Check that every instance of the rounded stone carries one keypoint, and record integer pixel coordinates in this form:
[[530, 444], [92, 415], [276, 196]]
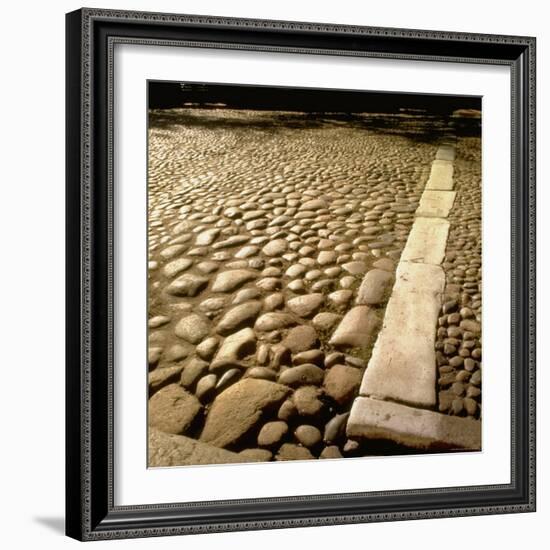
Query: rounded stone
[[309, 436], [341, 383], [302, 375], [276, 247], [229, 377], [335, 428], [287, 410], [238, 317], [301, 338], [289, 451], [206, 386], [272, 433], [326, 321], [331, 451], [262, 373], [315, 356], [307, 305], [306, 401], [193, 328]]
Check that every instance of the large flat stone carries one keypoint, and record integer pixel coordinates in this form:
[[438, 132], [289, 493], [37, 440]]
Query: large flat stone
[[427, 241], [441, 176], [178, 450], [416, 428], [402, 366], [239, 408], [436, 203]]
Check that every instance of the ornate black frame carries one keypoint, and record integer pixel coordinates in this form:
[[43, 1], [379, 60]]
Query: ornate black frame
[[90, 512]]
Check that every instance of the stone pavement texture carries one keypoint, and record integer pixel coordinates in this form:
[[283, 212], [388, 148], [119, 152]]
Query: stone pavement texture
[[262, 228]]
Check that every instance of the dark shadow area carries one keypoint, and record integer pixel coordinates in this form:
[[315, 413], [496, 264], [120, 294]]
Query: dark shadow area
[[425, 128], [419, 117], [55, 524], [165, 95], [383, 447]]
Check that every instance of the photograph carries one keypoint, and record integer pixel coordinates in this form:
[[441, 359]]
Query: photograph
[[314, 276]]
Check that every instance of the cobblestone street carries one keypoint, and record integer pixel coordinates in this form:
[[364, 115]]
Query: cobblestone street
[[273, 244]]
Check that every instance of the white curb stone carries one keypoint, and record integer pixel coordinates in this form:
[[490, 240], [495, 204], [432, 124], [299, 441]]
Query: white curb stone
[[441, 176], [445, 152], [436, 204], [427, 241], [420, 429], [402, 365]]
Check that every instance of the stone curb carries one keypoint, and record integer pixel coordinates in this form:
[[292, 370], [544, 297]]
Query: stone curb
[[436, 203], [427, 241], [412, 427], [441, 176], [402, 367]]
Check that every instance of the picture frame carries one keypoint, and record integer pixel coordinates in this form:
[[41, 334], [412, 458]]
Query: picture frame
[[91, 513]]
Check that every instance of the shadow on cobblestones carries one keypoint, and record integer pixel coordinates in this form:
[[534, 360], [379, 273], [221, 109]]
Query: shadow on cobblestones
[[416, 127]]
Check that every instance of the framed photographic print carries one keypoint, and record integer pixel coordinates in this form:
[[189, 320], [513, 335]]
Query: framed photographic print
[[300, 274]]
